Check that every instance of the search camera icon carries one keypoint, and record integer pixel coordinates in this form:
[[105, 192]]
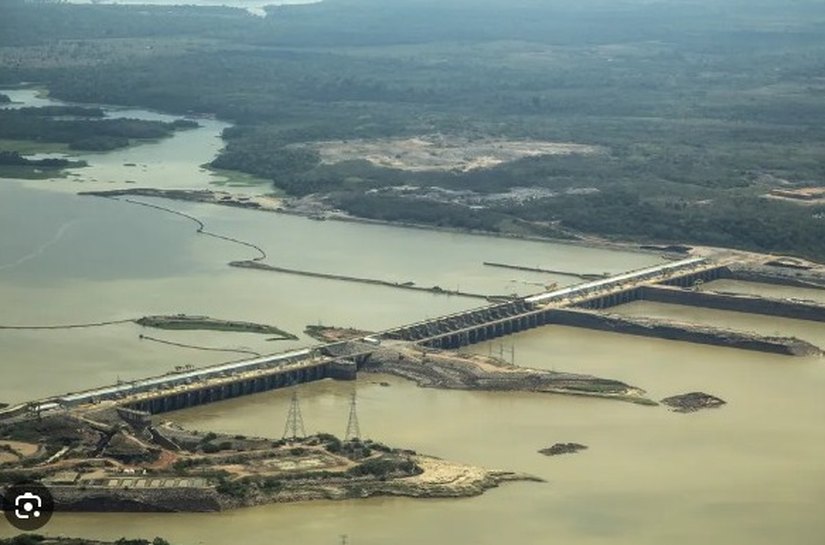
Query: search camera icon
[[28, 506]]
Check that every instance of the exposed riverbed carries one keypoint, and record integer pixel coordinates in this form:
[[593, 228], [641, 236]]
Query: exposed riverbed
[[751, 472]]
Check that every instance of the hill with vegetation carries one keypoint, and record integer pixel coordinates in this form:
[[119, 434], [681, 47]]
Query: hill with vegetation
[[700, 108]]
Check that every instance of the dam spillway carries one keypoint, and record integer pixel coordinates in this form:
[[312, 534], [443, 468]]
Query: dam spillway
[[575, 306]]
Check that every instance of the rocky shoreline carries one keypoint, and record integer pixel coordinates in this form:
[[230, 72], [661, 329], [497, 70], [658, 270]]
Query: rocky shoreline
[[117, 460], [438, 479], [444, 369]]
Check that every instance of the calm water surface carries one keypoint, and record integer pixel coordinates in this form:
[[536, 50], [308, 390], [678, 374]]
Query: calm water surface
[[752, 472]]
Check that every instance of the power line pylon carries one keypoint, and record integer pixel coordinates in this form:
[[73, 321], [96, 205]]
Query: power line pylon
[[353, 429], [294, 427]]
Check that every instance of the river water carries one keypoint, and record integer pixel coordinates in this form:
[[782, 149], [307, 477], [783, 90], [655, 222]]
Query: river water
[[752, 472]]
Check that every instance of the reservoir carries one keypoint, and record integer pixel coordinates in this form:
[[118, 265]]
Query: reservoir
[[750, 472]]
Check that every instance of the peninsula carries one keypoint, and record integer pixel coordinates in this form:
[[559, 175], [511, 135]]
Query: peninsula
[[120, 460]]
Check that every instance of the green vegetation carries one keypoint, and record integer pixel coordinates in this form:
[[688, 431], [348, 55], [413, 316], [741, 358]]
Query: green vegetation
[[235, 178], [54, 431], [11, 476], [61, 111], [30, 147], [386, 467], [14, 165], [81, 128], [13, 158], [28, 173], [700, 107]]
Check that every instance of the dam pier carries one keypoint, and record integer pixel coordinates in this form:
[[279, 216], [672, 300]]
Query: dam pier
[[581, 305]]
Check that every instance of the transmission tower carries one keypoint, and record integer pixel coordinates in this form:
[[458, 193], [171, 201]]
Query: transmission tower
[[294, 427], [353, 429]]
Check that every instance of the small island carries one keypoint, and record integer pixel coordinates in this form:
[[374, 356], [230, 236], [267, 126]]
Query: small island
[[189, 322], [116, 459], [81, 128], [13, 164], [562, 448], [692, 402]]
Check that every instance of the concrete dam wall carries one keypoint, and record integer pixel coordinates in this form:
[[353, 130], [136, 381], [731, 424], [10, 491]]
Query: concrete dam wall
[[212, 391]]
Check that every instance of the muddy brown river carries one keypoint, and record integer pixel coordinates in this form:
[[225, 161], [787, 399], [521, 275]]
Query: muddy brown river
[[751, 472]]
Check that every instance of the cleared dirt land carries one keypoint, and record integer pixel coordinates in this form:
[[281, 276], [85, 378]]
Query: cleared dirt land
[[438, 152]]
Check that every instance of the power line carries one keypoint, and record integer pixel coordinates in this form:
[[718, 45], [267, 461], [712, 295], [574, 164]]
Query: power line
[[294, 427], [353, 428]]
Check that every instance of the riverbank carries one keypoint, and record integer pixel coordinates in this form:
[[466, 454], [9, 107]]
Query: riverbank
[[102, 460], [316, 210]]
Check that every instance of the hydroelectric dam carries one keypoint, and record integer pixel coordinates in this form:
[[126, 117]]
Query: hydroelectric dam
[[579, 305]]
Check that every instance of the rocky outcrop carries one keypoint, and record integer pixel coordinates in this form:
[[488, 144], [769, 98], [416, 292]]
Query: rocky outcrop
[[562, 448], [100, 499], [693, 401], [438, 479]]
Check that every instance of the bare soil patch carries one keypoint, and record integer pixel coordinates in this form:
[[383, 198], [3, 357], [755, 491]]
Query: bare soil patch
[[439, 152]]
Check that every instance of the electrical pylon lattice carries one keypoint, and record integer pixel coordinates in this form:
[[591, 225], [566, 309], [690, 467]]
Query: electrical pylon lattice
[[294, 427], [353, 429]]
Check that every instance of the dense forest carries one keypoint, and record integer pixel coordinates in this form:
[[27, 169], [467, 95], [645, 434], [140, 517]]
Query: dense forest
[[701, 107], [12, 158], [81, 128]]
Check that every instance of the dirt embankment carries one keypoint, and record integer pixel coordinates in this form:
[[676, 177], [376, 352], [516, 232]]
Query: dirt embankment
[[256, 202], [328, 334], [435, 152], [188, 322], [784, 272], [450, 370], [250, 264], [683, 331]]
